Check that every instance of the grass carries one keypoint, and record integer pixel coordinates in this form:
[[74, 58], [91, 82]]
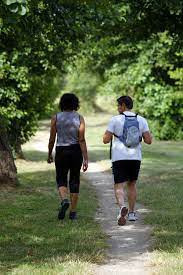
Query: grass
[[161, 190], [32, 240]]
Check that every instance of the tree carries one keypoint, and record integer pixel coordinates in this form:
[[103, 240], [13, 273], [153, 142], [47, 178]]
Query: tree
[[139, 52], [84, 83], [8, 172], [133, 46], [37, 39]]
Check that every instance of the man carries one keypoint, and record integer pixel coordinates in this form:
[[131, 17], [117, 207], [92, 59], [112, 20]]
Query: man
[[126, 153]]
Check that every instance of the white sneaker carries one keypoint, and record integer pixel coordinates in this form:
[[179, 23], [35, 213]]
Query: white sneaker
[[121, 217], [132, 217]]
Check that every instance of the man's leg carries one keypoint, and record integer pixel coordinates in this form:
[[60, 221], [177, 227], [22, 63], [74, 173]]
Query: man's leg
[[132, 195], [119, 193], [120, 198], [133, 171]]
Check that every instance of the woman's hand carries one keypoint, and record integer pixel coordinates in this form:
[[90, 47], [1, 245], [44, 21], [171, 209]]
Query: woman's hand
[[85, 165], [53, 132], [50, 159]]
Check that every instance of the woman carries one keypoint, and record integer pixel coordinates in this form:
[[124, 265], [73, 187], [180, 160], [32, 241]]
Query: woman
[[71, 151]]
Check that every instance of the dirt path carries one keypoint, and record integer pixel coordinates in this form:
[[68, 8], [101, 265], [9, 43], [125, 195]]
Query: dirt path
[[129, 244]]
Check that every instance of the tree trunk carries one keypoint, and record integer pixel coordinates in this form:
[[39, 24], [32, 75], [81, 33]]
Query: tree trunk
[[18, 151], [8, 171], [96, 108]]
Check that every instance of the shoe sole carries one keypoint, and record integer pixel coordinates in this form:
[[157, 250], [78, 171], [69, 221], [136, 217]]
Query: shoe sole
[[122, 219], [61, 214], [132, 220]]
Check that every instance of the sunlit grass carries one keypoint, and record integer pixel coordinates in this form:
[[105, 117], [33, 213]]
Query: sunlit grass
[[32, 240]]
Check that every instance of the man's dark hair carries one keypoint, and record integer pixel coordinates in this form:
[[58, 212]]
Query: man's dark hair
[[69, 101], [127, 100]]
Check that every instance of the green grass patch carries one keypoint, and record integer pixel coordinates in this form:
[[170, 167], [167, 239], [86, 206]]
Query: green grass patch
[[160, 189], [32, 240]]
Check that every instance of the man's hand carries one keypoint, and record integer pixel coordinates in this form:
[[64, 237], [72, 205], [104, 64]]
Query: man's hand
[[50, 159], [107, 137], [85, 165], [147, 137]]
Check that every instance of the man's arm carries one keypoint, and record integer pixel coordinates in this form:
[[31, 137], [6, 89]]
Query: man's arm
[[147, 137], [82, 143], [51, 143], [107, 137]]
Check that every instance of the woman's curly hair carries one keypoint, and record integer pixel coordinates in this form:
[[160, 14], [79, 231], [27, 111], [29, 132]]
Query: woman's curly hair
[[69, 101]]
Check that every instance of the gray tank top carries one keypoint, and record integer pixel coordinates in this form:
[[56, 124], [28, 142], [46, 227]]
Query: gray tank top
[[67, 125]]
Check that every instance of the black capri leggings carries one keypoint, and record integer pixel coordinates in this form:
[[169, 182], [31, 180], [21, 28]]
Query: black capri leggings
[[68, 159]]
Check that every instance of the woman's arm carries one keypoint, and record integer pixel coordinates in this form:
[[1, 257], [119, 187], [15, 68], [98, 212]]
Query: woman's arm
[[82, 143], [51, 143]]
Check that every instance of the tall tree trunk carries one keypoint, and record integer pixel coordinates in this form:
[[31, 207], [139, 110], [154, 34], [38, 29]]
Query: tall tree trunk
[[8, 171], [18, 151], [96, 108]]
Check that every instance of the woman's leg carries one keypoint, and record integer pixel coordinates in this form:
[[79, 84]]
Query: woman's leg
[[74, 181], [74, 199], [63, 192], [62, 168]]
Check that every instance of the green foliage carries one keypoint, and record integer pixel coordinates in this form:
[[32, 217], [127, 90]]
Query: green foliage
[[24, 97], [19, 7], [37, 38], [84, 83], [135, 47], [142, 56]]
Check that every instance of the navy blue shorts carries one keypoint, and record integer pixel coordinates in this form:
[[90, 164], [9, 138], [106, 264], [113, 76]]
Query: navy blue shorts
[[125, 170], [68, 159]]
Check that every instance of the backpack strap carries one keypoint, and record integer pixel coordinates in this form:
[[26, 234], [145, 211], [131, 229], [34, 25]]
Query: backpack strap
[[110, 150], [129, 116], [56, 121], [79, 119], [115, 135]]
